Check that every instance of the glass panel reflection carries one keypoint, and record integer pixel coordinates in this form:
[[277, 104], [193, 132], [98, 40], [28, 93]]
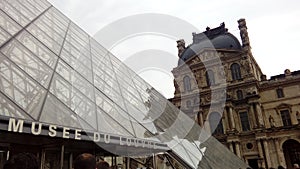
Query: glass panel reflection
[[35, 5], [37, 48], [107, 124], [75, 79], [9, 109], [44, 38], [8, 24], [28, 62], [74, 99], [114, 111], [58, 38], [20, 88], [55, 112], [56, 15], [75, 56], [4, 36], [13, 13]]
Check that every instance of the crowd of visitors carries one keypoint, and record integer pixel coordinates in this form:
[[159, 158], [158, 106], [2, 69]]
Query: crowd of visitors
[[83, 161], [30, 161]]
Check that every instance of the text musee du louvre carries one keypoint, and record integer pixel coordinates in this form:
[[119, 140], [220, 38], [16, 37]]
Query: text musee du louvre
[[17, 125]]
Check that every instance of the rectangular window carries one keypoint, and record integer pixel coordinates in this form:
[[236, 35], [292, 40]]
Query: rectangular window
[[244, 121], [286, 118], [279, 93]]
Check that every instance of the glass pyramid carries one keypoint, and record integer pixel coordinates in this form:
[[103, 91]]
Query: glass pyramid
[[51, 71]]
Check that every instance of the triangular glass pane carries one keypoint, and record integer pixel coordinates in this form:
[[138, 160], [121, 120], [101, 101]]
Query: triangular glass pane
[[114, 111], [44, 38], [107, 124], [26, 9], [16, 14], [75, 79], [218, 156], [20, 88], [28, 62], [8, 24], [37, 48], [55, 112], [74, 99], [79, 33], [10, 109], [35, 6], [50, 31], [79, 63], [48, 21], [57, 17], [4, 36]]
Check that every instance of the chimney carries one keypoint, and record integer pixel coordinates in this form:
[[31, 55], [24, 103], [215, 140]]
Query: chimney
[[244, 33], [180, 46]]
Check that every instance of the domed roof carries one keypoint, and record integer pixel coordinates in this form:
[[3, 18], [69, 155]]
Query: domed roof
[[217, 38]]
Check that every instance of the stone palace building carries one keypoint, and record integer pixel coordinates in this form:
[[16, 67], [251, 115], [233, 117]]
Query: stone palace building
[[257, 118]]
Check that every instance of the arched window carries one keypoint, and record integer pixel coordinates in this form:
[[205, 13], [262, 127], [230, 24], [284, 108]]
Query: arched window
[[215, 123], [235, 71], [187, 83], [239, 94], [210, 77]]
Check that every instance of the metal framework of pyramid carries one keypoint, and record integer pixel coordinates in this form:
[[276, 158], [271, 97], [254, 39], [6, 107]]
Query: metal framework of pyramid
[[52, 72]]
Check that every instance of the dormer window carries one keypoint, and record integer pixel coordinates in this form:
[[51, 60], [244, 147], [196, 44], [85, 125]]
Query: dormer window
[[279, 92], [187, 83]]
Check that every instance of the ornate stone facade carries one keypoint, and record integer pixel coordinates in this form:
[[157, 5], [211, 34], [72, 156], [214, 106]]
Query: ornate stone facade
[[260, 118]]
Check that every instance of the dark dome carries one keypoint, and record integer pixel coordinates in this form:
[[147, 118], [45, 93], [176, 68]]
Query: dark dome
[[219, 40]]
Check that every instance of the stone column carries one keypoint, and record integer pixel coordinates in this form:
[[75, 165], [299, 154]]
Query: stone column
[[261, 154], [260, 121], [279, 152], [244, 33], [231, 147], [252, 115], [225, 122], [231, 118], [201, 118], [228, 117], [267, 152], [237, 148]]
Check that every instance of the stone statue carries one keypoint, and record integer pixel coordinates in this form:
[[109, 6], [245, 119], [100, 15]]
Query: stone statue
[[243, 32], [272, 121], [180, 46], [287, 72]]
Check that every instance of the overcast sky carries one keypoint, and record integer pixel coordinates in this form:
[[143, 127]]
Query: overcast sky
[[273, 28]]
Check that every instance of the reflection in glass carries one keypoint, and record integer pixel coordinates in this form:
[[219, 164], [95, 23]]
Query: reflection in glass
[[8, 24], [37, 48], [16, 85], [28, 62]]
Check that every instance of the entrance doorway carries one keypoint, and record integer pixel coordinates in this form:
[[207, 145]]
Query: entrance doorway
[[3, 155], [291, 150], [253, 163]]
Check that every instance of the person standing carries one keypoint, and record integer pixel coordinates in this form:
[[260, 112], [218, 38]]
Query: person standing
[[296, 166], [22, 161], [85, 161], [103, 165]]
